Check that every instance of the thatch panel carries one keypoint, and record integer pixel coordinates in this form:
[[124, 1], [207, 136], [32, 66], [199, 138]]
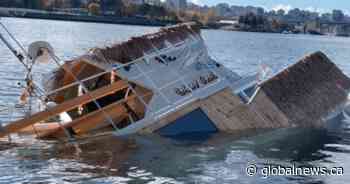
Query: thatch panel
[[309, 89], [137, 46]]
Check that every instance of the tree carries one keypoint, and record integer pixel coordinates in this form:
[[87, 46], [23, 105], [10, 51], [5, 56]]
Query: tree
[[76, 4], [144, 9], [275, 24], [195, 17], [295, 13], [281, 12], [326, 16], [209, 17], [272, 13], [337, 15], [130, 10], [161, 11], [94, 8], [172, 16], [45, 4], [34, 4], [119, 7]]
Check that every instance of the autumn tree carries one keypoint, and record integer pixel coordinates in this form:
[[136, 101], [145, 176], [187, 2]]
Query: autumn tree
[[275, 24], [129, 10], [94, 8], [209, 17]]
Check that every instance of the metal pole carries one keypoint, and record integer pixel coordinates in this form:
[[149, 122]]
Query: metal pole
[[13, 50], [14, 39]]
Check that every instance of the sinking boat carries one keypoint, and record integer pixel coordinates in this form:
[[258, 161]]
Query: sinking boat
[[167, 83]]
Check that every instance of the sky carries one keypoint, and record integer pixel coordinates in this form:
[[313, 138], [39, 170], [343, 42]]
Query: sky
[[314, 5]]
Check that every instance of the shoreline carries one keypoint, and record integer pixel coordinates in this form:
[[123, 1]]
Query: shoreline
[[133, 21], [94, 19], [271, 32]]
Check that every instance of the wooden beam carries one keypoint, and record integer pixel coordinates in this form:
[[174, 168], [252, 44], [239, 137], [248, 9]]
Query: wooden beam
[[94, 119], [63, 107], [40, 128], [84, 124]]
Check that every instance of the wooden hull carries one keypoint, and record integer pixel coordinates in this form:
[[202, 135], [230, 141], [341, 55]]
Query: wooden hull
[[40, 129]]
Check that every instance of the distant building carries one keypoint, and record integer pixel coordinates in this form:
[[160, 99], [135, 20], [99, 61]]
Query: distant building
[[228, 22], [242, 10], [133, 2], [177, 5], [154, 2], [222, 9], [342, 30]]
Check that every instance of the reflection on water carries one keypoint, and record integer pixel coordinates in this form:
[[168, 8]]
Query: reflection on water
[[152, 159]]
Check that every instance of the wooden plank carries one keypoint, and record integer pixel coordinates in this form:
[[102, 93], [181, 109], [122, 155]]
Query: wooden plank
[[63, 107], [40, 128], [116, 111], [92, 120]]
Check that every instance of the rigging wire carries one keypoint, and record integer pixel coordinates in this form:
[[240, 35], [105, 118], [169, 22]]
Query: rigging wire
[[31, 86], [14, 39]]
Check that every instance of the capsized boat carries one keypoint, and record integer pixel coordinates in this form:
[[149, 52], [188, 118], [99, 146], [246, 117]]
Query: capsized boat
[[166, 83]]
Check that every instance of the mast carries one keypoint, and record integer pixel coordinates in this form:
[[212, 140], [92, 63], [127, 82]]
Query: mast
[[29, 89], [18, 55]]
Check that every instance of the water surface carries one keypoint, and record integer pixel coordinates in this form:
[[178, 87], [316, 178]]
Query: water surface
[[153, 159]]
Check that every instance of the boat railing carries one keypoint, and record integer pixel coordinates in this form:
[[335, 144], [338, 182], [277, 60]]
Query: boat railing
[[92, 96], [120, 66], [180, 78], [156, 53]]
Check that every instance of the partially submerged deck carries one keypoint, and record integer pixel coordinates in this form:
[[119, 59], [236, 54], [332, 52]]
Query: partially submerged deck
[[310, 89]]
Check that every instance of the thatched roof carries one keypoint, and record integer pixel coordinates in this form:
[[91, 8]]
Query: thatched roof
[[136, 47], [124, 52], [309, 89]]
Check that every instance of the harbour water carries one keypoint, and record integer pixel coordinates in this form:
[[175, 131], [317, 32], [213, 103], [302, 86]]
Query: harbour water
[[152, 159]]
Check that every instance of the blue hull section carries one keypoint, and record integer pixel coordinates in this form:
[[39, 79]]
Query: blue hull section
[[194, 125]]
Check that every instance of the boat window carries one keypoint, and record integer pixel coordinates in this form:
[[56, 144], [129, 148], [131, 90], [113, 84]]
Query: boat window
[[244, 98], [250, 91], [246, 94], [165, 59]]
